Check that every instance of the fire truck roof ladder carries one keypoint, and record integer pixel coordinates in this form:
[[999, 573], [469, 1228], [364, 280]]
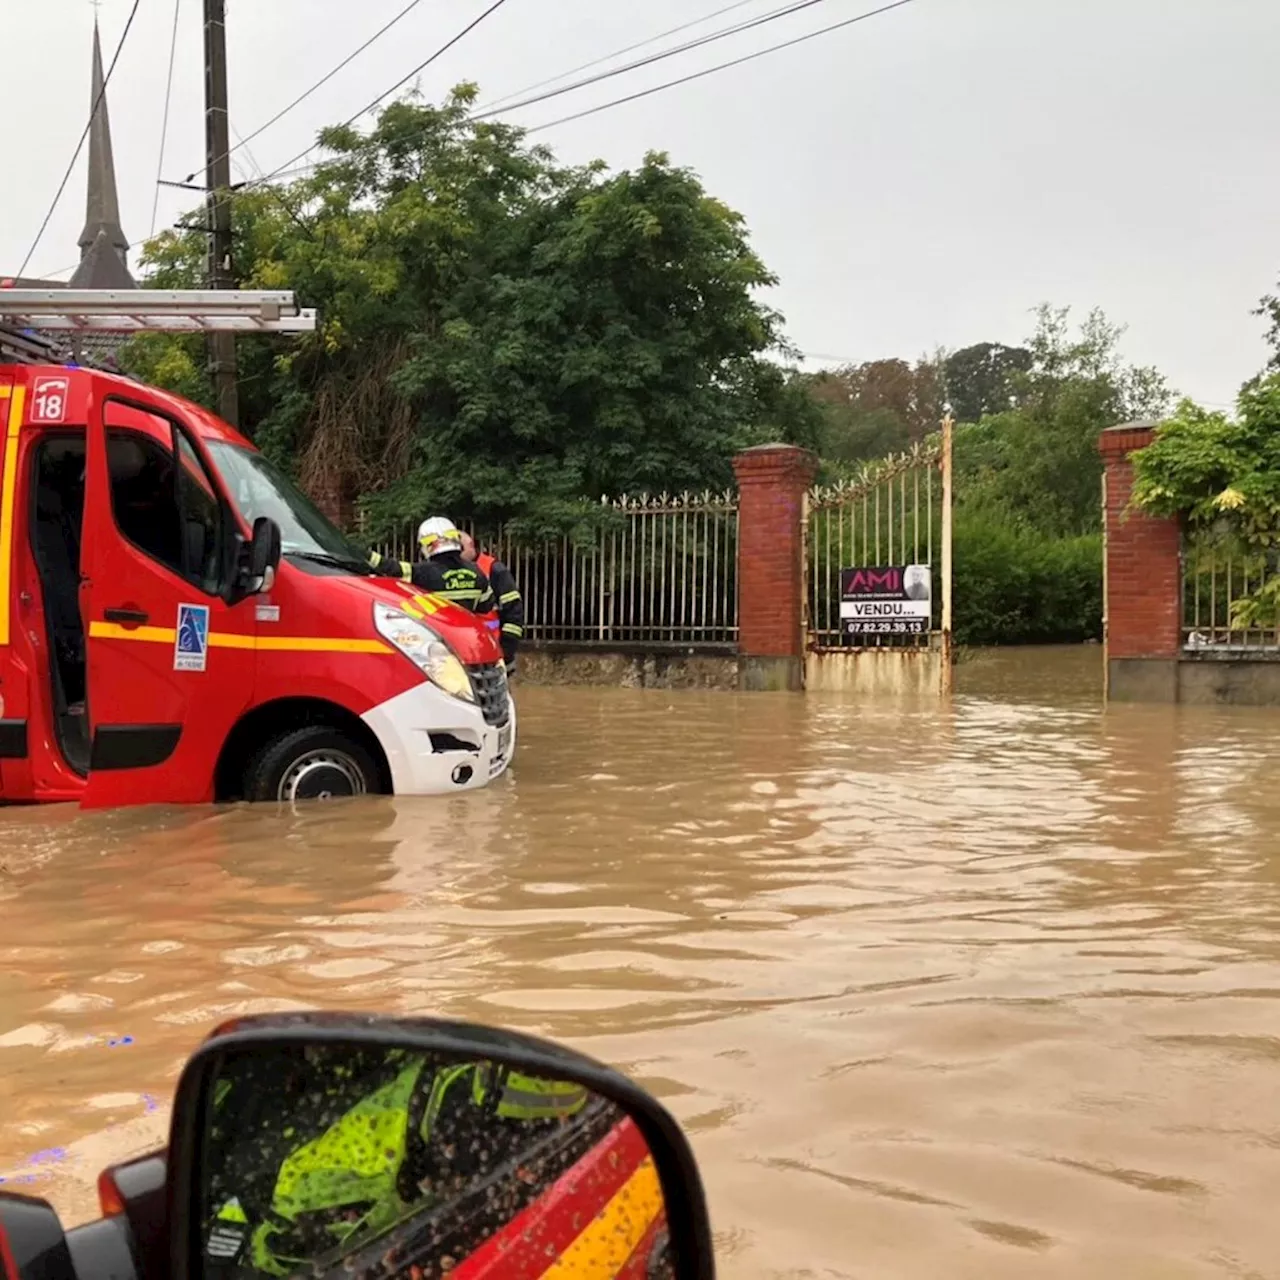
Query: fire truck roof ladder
[[152, 311]]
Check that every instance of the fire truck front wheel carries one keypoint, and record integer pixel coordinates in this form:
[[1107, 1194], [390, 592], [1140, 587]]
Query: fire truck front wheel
[[312, 763]]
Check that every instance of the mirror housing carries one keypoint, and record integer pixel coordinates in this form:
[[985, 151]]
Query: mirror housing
[[33, 1245], [616, 1142], [257, 560], [264, 548]]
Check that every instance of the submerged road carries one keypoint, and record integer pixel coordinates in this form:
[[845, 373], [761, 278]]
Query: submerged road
[[989, 990]]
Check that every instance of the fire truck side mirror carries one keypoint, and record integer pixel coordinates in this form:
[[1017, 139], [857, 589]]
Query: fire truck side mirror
[[264, 555], [356, 1147], [264, 549]]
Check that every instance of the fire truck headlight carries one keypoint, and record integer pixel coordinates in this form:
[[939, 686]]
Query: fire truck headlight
[[429, 652]]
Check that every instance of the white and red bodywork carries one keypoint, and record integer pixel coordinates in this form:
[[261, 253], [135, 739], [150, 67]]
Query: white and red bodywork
[[309, 637]]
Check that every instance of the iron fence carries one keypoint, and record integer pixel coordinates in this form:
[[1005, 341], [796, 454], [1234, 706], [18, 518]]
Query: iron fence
[[659, 571], [1217, 580], [888, 514]]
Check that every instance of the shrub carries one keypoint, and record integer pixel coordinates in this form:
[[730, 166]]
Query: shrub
[[1017, 585]]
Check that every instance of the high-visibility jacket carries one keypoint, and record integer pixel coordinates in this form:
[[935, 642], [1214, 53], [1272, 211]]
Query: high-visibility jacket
[[446, 574], [509, 602], [351, 1179]]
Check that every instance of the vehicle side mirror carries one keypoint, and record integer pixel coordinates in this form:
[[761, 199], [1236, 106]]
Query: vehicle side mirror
[[347, 1147], [264, 548], [256, 560]]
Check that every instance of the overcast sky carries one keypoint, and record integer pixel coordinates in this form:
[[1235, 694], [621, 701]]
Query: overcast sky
[[921, 179]]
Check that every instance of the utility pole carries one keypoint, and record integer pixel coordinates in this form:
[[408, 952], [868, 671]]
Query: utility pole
[[948, 654], [220, 269]]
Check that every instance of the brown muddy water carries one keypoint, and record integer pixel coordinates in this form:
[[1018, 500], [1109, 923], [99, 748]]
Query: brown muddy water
[[989, 990]]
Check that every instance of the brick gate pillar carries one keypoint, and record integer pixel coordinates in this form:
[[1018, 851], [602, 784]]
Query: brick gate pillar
[[772, 480], [1142, 580]]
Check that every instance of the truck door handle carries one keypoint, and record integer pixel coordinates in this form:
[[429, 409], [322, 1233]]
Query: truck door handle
[[126, 617]]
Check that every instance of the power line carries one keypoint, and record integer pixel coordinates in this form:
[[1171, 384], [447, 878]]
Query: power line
[[617, 53], [257, 168], [287, 169], [302, 97], [785, 11], [422, 66], [794, 6], [58, 271], [720, 66], [164, 127], [93, 111]]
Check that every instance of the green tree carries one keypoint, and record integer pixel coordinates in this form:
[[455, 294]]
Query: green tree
[[877, 408], [502, 336], [1269, 310], [1221, 473], [1039, 461], [984, 379], [1027, 544]]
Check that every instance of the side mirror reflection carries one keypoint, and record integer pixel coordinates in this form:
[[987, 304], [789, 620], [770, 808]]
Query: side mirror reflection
[[346, 1159]]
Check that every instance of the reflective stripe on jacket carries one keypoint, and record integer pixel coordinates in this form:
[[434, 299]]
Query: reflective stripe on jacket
[[388, 567]]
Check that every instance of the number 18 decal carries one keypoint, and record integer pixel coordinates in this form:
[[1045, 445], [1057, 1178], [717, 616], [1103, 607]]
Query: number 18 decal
[[49, 399]]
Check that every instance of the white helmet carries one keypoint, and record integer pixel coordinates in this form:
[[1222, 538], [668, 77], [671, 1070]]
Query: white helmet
[[437, 535]]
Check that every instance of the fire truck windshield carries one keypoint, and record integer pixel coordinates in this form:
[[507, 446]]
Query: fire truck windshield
[[259, 488]]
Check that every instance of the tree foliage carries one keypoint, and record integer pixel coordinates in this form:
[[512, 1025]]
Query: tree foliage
[[1039, 461], [1221, 473], [501, 336], [1015, 584], [1028, 551], [876, 408], [1269, 310], [1028, 558], [984, 379]]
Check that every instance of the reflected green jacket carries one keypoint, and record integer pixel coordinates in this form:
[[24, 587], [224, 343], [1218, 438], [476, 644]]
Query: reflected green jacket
[[348, 1181]]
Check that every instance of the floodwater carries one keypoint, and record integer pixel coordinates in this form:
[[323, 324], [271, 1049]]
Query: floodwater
[[989, 990]]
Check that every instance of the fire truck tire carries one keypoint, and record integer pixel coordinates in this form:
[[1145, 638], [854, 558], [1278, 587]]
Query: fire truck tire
[[313, 763]]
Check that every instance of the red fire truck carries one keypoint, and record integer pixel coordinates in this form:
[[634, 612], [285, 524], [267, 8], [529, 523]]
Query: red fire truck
[[178, 623]]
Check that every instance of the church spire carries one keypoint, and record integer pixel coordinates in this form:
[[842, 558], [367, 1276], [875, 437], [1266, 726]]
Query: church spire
[[104, 262]]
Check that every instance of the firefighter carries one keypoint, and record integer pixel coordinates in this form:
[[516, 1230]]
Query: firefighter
[[442, 571], [510, 605], [408, 1135]]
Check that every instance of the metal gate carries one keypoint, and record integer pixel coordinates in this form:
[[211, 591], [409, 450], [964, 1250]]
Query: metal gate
[[660, 571], [892, 515]]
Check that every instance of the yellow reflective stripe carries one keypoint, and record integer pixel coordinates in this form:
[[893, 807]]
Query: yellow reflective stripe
[[233, 1212], [404, 569], [423, 606], [8, 487], [114, 631], [229, 640], [440, 1086], [516, 1104], [509, 597], [610, 1238], [512, 629], [296, 644]]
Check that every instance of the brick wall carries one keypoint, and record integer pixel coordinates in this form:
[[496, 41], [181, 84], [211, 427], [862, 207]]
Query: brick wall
[[336, 505], [772, 480], [1144, 559]]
